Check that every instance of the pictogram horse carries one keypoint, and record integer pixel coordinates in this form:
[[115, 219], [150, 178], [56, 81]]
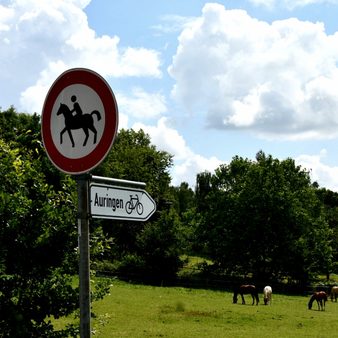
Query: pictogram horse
[[84, 121]]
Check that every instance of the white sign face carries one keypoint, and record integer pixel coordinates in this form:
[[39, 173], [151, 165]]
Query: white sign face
[[121, 203], [80, 108]]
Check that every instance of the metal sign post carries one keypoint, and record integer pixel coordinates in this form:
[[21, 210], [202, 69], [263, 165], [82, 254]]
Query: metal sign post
[[76, 151], [84, 268]]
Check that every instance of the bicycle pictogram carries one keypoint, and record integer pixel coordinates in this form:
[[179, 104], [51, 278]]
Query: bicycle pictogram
[[134, 204]]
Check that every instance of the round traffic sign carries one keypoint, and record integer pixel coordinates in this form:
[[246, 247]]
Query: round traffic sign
[[79, 121]]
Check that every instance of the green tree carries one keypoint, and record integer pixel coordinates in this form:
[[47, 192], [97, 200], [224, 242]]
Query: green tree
[[183, 198], [264, 218], [25, 131], [183, 201], [330, 201], [37, 244], [38, 235], [159, 246]]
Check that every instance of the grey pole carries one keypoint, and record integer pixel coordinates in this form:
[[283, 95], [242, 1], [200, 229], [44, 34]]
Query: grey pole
[[84, 277]]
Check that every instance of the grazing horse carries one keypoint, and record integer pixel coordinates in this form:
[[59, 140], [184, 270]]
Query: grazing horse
[[244, 290], [334, 293], [267, 294], [84, 121], [321, 298]]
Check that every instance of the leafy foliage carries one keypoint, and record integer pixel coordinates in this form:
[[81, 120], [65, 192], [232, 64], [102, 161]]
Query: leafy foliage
[[37, 243], [159, 246], [330, 201], [264, 217]]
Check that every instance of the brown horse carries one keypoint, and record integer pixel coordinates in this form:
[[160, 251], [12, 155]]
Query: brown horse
[[321, 298], [334, 293], [245, 290]]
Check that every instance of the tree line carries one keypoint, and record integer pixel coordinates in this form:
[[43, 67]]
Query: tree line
[[262, 218]]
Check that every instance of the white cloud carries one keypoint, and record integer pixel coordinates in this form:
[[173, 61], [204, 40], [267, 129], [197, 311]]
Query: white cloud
[[32, 98], [276, 80], [141, 104], [326, 176], [40, 37], [172, 24], [166, 138], [187, 164], [290, 4], [6, 15], [265, 3], [187, 170]]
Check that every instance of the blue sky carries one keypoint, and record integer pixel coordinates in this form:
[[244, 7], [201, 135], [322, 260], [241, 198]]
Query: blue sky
[[206, 80]]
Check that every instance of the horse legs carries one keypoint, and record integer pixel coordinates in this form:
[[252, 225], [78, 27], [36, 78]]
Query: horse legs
[[62, 132], [255, 298], [320, 305], [243, 300], [267, 300], [92, 128], [87, 135], [71, 137]]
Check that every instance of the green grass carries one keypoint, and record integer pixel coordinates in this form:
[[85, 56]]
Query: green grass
[[143, 311]]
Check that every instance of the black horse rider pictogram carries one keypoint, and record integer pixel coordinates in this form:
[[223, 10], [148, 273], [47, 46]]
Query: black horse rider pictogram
[[77, 121]]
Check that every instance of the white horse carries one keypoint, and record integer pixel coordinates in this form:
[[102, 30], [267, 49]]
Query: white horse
[[267, 294], [334, 293]]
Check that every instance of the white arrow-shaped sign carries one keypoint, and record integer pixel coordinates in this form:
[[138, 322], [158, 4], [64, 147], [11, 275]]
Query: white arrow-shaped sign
[[123, 203]]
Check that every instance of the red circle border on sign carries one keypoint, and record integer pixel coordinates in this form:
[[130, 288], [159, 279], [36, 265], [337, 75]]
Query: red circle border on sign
[[100, 86]]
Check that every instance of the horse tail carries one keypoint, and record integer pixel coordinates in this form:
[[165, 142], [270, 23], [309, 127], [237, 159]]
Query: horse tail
[[311, 301], [97, 113]]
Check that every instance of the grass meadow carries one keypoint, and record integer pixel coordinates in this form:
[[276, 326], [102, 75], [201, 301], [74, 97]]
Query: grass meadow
[[136, 311]]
